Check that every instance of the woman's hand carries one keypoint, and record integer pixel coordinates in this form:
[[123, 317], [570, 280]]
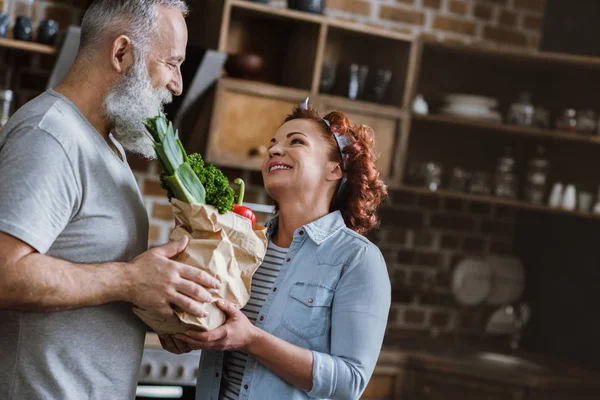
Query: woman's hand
[[238, 333]]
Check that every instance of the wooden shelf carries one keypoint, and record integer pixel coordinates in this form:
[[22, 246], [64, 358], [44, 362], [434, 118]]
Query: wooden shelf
[[285, 13], [518, 55], [348, 105], [509, 129], [30, 47], [522, 205]]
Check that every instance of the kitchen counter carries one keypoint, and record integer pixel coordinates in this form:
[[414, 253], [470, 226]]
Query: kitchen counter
[[518, 369]]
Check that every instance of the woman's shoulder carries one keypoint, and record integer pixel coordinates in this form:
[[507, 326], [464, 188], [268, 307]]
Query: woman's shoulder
[[356, 248]]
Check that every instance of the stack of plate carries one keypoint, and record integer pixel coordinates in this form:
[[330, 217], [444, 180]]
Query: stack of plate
[[471, 106]]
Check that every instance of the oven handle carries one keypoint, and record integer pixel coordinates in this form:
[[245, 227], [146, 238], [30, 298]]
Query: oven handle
[[159, 392]]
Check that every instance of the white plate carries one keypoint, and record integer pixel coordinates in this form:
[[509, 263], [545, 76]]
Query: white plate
[[458, 98], [508, 280], [471, 281], [488, 116]]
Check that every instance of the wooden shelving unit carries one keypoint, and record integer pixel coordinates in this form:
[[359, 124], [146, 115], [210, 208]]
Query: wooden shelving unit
[[521, 205], [501, 128], [296, 46], [27, 46]]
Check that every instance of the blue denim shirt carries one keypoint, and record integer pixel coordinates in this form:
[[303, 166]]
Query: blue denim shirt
[[332, 296]]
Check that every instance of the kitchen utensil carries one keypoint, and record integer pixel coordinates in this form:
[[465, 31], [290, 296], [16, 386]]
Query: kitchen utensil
[[471, 281], [556, 195], [585, 201], [506, 181], [472, 112], [382, 81], [480, 183], [508, 319], [23, 28], [459, 180], [536, 179], [586, 122], [569, 199], [245, 65], [507, 280], [328, 74], [358, 77], [4, 21], [521, 113], [420, 106], [313, 6], [6, 97], [47, 30], [567, 121]]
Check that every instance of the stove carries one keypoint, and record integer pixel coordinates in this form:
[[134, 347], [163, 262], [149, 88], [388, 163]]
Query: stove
[[165, 375]]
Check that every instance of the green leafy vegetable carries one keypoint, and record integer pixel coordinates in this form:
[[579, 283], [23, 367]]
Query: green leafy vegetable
[[187, 178]]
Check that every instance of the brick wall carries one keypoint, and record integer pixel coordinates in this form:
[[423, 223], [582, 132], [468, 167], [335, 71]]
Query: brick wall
[[422, 237], [507, 23]]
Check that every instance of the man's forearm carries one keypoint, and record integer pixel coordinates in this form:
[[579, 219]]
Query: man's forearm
[[41, 283]]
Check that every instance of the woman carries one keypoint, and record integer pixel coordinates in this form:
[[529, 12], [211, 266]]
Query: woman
[[320, 301]]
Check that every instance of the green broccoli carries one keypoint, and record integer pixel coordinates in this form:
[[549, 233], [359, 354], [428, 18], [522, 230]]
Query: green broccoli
[[218, 192]]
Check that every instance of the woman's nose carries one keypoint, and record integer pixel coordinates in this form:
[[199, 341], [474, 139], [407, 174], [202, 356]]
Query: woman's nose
[[275, 151]]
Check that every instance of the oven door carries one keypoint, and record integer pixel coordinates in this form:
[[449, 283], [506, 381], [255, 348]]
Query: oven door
[[163, 392]]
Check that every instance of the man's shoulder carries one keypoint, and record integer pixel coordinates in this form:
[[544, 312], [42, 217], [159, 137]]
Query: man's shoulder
[[45, 118]]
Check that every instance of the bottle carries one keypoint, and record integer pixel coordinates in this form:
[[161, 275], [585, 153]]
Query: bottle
[[537, 177], [506, 181], [6, 97]]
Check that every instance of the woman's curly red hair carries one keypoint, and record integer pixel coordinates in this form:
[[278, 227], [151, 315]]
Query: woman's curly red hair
[[364, 189]]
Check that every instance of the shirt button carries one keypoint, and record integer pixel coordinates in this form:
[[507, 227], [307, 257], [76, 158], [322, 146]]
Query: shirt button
[[217, 374], [288, 260], [310, 300], [274, 289], [246, 387], [301, 233], [262, 318]]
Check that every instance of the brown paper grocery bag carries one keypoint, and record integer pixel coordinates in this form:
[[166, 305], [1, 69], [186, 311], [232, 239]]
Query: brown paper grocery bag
[[224, 245]]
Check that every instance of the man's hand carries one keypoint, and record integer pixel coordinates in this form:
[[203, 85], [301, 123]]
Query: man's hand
[[157, 282], [238, 333], [174, 345]]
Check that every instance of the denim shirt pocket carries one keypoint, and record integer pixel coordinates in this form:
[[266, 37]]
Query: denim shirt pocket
[[308, 309]]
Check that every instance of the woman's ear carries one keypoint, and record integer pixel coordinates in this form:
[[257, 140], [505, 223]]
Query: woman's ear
[[335, 172]]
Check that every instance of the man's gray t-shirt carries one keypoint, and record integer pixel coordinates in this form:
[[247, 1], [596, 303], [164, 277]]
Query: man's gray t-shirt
[[66, 193]]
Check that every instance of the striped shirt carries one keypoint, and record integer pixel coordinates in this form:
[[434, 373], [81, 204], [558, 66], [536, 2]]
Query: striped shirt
[[262, 284]]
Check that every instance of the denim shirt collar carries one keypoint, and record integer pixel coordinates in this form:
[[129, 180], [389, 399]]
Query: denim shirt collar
[[319, 230]]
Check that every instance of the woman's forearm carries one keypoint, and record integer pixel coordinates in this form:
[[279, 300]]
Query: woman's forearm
[[291, 363]]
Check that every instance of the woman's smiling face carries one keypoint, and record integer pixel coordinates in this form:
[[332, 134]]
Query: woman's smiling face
[[298, 160]]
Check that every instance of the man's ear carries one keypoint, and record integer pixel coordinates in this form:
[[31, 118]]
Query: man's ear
[[121, 54], [335, 172]]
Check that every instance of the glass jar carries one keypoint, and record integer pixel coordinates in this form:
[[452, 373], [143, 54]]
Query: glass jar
[[586, 122], [6, 97], [537, 177], [480, 183], [506, 180], [567, 120], [522, 112]]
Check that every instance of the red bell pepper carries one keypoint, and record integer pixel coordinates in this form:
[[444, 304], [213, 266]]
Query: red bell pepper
[[238, 208]]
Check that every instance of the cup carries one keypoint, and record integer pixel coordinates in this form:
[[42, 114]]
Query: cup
[[556, 195], [382, 81], [585, 201], [23, 28], [47, 31], [569, 200], [3, 24], [358, 77], [328, 73]]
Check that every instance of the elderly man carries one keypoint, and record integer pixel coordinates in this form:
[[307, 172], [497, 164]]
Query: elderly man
[[73, 227]]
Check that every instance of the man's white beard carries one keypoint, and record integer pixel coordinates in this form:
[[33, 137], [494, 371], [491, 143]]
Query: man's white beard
[[129, 103]]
